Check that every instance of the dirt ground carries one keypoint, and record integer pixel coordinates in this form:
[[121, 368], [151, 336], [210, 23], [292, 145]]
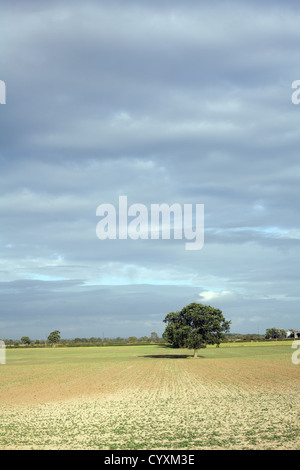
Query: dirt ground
[[151, 402]]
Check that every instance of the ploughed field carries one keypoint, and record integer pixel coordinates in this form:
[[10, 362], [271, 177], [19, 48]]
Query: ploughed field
[[150, 397]]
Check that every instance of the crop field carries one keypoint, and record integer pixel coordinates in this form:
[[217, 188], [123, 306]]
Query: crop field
[[150, 397]]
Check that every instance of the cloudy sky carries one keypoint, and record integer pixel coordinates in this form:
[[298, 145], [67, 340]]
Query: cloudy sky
[[163, 102]]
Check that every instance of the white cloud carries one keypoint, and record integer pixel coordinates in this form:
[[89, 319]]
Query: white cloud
[[208, 296], [256, 319]]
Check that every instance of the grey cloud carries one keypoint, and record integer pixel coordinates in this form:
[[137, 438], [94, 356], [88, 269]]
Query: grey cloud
[[162, 102]]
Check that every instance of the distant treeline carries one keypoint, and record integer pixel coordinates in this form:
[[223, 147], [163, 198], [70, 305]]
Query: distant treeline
[[25, 341], [232, 337], [75, 342], [271, 334]]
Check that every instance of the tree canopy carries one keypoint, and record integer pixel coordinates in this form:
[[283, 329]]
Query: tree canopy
[[25, 340], [195, 326], [275, 333], [54, 337]]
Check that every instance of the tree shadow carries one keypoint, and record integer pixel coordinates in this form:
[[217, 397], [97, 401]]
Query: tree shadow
[[170, 356]]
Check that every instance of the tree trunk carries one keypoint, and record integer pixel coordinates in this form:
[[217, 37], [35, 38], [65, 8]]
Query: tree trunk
[[195, 352]]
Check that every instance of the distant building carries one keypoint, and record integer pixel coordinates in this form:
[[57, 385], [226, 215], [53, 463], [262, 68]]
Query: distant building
[[293, 334]]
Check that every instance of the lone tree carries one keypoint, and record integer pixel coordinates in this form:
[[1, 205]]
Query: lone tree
[[54, 337], [195, 326], [25, 340], [154, 337]]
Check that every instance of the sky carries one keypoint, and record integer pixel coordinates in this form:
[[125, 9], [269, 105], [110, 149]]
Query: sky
[[162, 102]]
